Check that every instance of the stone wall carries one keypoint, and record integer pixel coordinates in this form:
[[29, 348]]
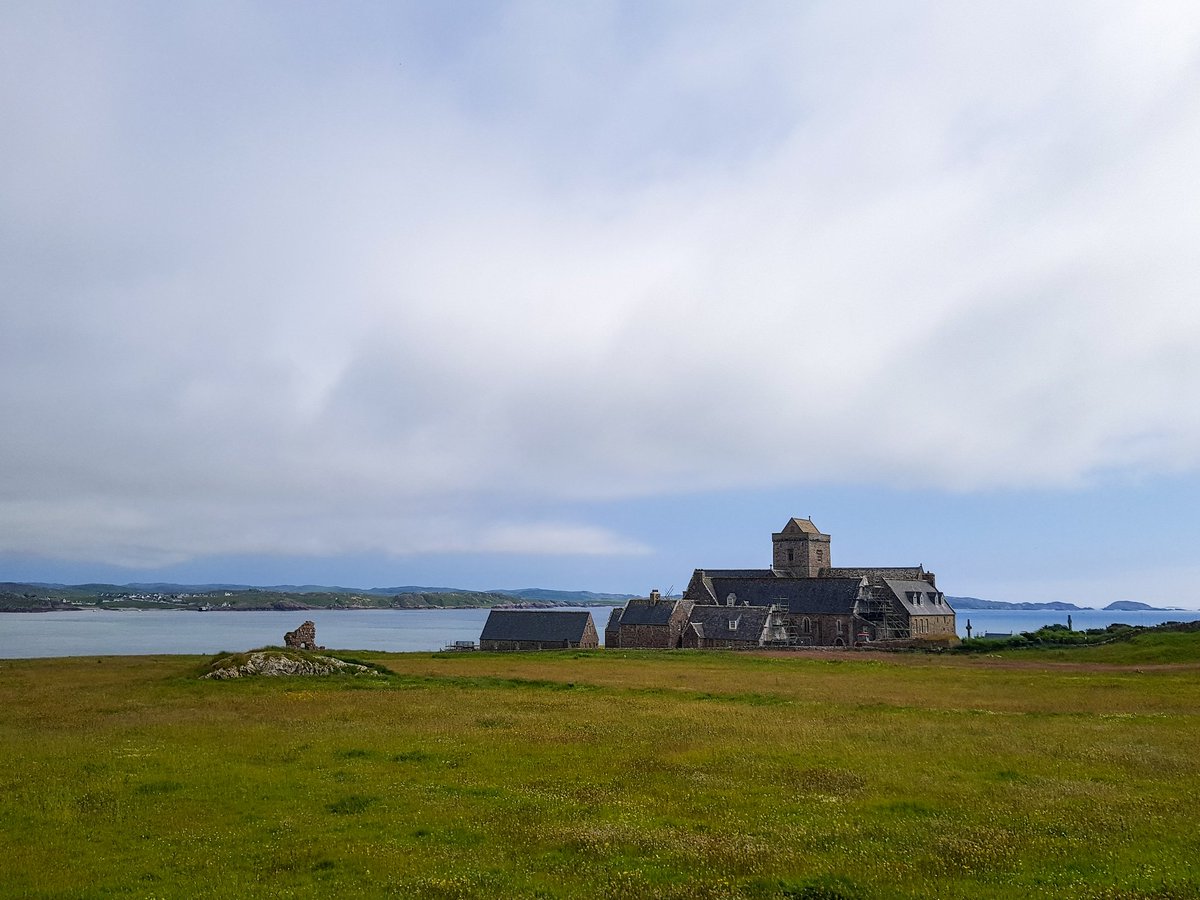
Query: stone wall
[[822, 630], [932, 626], [612, 634], [649, 637], [692, 641], [656, 637], [523, 645], [590, 639], [800, 555]]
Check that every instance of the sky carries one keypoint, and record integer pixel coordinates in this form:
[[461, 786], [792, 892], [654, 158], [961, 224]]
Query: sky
[[587, 295]]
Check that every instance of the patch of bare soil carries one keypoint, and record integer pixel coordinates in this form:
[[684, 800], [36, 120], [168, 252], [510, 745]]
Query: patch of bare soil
[[976, 660]]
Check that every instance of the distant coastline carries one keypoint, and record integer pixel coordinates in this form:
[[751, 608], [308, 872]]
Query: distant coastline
[[1116, 606], [42, 597]]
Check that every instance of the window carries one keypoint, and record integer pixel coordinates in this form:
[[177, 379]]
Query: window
[[839, 626], [806, 625], [731, 600], [733, 624], [791, 555]]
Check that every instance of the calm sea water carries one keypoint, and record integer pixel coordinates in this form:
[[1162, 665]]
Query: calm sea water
[[108, 632], [101, 633], [1002, 620]]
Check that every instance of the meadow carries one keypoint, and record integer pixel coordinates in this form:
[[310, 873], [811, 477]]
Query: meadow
[[609, 774]]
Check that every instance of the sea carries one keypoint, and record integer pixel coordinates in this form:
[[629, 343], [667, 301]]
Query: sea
[[154, 632]]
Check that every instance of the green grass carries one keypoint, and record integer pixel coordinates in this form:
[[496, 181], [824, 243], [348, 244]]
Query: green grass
[[610, 774], [1153, 647]]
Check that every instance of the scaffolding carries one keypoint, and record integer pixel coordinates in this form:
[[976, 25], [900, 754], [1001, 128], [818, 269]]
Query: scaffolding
[[876, 607]]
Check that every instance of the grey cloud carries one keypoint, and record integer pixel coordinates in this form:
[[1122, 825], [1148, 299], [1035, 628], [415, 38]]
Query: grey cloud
[[258, 270]]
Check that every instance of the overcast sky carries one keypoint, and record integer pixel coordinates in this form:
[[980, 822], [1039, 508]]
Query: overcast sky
[[585, 295]]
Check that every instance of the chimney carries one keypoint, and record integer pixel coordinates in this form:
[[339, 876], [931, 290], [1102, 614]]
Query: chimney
[[655, 596]]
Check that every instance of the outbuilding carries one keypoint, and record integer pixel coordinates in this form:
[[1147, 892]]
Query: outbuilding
[[650, 623], [538, 629]]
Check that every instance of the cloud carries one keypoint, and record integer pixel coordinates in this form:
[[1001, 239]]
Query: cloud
[[283, 284]]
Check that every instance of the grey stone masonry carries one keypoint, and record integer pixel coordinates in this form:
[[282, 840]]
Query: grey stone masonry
[[824, 605], [800, 550]]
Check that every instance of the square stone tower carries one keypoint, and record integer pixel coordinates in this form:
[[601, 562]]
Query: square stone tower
[[800, 550]]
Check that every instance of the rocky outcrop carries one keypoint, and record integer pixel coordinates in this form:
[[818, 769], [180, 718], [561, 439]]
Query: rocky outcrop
[[275, 663]]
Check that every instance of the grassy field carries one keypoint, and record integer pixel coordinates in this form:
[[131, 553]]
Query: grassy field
[[610, 774]]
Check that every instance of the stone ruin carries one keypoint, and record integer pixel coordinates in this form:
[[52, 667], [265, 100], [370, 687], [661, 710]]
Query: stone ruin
[[303, 638]]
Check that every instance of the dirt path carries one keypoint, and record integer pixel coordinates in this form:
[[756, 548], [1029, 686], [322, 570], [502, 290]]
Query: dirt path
[[974, 661]]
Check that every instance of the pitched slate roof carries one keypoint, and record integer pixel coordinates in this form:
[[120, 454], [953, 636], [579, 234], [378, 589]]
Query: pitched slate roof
[[643, 612], [712, 622], [804, 525], [905, 573], [737, 573], [805, 596], [929, 606], [706, 576], [535, 625], [614, 618]]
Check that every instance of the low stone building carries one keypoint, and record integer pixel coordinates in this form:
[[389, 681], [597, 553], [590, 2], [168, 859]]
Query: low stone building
[[612, 631], [733, 628], [538, 629], [929, 615], [651, 624]]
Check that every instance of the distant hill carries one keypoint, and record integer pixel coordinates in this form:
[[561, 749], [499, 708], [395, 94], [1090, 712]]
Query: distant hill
[[1119, 605], [579, 598], [38, 596], [1131, 605], [41, 596], [976, 603]]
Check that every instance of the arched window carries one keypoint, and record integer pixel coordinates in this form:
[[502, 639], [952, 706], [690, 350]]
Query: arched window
[[806, 625]]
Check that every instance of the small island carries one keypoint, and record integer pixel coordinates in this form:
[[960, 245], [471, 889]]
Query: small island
[[962, 603]]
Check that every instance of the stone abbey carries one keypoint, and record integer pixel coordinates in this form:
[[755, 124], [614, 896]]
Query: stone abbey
[[802, 600]]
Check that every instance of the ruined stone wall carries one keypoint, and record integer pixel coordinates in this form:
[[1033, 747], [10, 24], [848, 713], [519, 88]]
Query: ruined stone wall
[[303, 638]]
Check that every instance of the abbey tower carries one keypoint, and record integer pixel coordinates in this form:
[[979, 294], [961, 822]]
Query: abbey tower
[[800, 550]]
